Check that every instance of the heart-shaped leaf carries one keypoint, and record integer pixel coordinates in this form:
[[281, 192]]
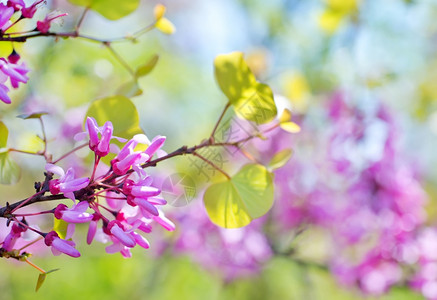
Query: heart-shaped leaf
[[236, 202]]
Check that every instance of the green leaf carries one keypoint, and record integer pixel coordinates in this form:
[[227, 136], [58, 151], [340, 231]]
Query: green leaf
[[9, 170], [258, 105], [60, 226], [120, 111], [251, 100], [36, 115], [280, 159], [235, 203], [147, 67], [3, 134], [233, 75], [40, 281], [130, 89], [110, 9]]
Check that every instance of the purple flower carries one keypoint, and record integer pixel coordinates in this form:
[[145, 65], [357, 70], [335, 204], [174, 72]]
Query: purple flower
[[99, 137], [44, 25], [16, 232], [5, 14], [60, 246], [128, 157], [28, 12], [66, 184], [76, 214]]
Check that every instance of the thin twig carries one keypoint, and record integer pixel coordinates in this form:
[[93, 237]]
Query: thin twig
[[212, 164]]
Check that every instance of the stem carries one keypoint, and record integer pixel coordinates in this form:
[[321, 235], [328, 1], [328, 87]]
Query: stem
[[27, 200], [28, 227], [25, 152], [70, 152], [219, 120], [31, 243], [35, 266], [34, 214], [82, 17], [212, 164], [44, 138], [120, 59]]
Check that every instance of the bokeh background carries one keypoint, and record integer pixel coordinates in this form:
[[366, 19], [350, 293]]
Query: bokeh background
[[354, 215]]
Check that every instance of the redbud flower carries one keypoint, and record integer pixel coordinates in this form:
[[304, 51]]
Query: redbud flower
[[16, 4], [5, 14], [16, 231], [60, 246], [4, 94], [16, 73], [75, 214], [117, 230], [44, 25], [28, 12], [155, 145], [100, 146], [66, 183], [128, 158]]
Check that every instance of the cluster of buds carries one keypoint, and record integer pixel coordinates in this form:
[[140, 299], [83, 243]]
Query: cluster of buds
[[10, 14], [122, 202]]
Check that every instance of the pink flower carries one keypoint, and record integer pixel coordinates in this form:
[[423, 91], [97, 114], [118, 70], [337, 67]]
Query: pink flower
[[16, 232], [4, 94], [16, 73], [44, 25], [66, 183], [116, 229], [60, 246], [5, 14], [75, 214], [16, 4], [155, 145], [92, 229], [142, 194], [128, 158], [28, 12], [100, 145]]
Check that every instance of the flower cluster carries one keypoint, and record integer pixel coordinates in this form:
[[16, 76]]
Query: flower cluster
[[131, 203], [10, 14]]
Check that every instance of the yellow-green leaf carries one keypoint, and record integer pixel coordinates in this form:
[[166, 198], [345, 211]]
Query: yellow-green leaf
[[9, 170], [236, 202], [35, 115], [233, 76], [251, 100], [110, 9], [3, 134], [257, 105], [147, 67], [165, 26], [40, 281], [280, 159], [285, 116], [290, 127], [60, 226]]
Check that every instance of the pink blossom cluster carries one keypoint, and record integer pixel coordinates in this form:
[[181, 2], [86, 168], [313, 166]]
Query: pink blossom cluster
[[119, 206], [10, 14]]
